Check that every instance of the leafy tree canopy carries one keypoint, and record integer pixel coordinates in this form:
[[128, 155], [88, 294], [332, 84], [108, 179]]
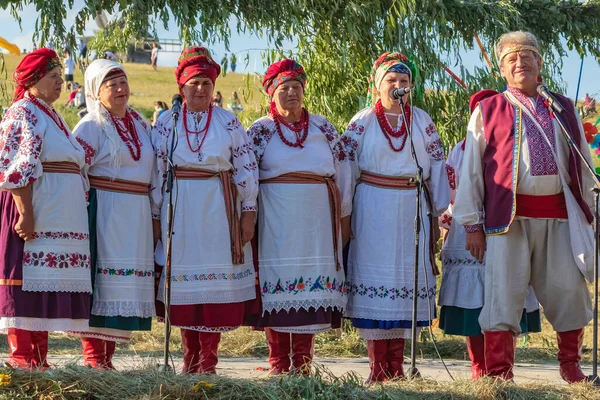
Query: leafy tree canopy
[[339, 39]]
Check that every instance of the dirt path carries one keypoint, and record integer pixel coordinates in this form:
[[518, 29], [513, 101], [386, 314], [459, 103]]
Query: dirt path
[[258, 367]]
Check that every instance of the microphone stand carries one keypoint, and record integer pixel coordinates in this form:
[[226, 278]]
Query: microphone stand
[[165, 367], [575, 148], [414, 372]]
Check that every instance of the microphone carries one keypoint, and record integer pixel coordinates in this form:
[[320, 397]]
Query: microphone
[[397, 94], [552, 102], [176, 105]]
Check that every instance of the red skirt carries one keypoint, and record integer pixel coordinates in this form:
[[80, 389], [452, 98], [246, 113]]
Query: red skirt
[[218, 316]]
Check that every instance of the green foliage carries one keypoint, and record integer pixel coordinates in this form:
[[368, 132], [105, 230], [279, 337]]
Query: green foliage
[[339, 39]]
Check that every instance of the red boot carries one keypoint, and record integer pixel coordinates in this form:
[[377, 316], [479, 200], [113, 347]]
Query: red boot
[[395, 358], [209, 348], [378, 363], [94, 353], [279, 351], [476, 348], [499, 353], [110, 352], [39, 342], [569, 355], [20, 348], [190, 341], [302, 351]]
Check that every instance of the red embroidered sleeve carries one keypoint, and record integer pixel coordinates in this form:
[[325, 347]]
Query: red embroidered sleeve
[[89, 150], [451, 176], [20, 148]]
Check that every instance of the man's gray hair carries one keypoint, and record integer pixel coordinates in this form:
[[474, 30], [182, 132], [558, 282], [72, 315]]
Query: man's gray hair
[[521, 38]]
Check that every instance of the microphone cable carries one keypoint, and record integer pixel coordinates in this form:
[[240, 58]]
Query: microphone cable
[[424, 253]]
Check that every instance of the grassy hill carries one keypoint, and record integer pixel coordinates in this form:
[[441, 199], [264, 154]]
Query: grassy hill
[[148, 86]]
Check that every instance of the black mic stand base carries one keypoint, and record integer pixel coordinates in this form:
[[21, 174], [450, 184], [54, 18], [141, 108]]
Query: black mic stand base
[[164, 369], [413, 373]]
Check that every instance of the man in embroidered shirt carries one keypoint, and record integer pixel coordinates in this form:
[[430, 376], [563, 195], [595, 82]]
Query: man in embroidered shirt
[[522, 183]]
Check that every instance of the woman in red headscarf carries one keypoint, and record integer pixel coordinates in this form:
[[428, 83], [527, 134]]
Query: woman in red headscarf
[[213, 278], [45, 280], [305, 202]]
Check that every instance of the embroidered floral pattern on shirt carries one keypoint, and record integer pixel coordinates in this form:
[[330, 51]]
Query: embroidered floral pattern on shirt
[[56, 260], [125, 272], [460, 261], [260, 136], [214, 276], [436, 149], [241, 150], [61, 235], [430, 130], [300, 285], [234, 124], [138, 118], [446, 221], [333, 138], [20, 147], [350, 144], [392, 293], [89, 150], [248, 208], [451, 176]]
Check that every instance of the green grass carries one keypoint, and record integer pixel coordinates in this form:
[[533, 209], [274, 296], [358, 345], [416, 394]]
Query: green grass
[[74, 382]]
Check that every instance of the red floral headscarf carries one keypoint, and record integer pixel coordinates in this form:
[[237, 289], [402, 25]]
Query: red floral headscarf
[[283, 71], [195, 61], [33, 67]]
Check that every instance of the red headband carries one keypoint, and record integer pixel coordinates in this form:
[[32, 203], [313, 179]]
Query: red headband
[[283, 71], [196, 61], [33, 67]]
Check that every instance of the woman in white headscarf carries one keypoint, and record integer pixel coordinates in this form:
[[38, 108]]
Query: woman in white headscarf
[[119, 160]]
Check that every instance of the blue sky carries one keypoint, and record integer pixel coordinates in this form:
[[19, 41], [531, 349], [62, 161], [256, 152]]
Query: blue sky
[[9, 30]]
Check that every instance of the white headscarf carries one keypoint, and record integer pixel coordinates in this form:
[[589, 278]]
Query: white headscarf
[[94, 76]]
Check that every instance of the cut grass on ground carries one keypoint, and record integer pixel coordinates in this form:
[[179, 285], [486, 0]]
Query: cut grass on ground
[[74, 382]]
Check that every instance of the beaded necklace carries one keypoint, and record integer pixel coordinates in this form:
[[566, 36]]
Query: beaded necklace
[[201, 131], [129, 135], [387, 129], [296, 127]]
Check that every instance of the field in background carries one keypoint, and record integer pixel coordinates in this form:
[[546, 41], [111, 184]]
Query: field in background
[[148, 86]]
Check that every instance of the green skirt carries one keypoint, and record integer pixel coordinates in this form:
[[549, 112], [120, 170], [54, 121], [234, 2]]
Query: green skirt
[[465, 321], [100, 321]]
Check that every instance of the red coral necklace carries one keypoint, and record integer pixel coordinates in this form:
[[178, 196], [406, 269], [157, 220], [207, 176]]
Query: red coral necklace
[[297, 127], [129, 135], [387, 129], [52, 114], [200, 132]]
